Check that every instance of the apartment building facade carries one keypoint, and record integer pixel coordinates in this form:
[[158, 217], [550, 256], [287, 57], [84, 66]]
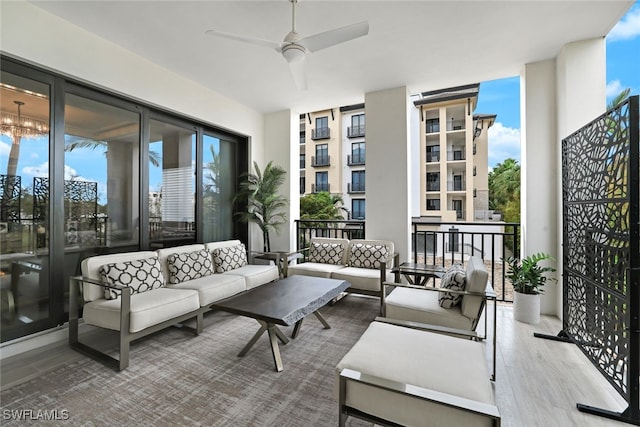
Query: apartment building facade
[[454, 183]]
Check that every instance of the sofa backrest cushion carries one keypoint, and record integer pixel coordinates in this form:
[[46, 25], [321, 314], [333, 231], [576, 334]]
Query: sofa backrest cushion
[[229, 258], [141, 275], [477, 277], [91, 270], [370, 253], [189, 266], [221, 244], [163, 255], [454, 279], [328, 251]]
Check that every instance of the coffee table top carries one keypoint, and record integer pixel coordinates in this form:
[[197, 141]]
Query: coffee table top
[[284, 301]]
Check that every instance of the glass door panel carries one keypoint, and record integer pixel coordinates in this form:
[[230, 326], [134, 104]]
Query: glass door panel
[[218, 188], [25, 292], [172, 157]]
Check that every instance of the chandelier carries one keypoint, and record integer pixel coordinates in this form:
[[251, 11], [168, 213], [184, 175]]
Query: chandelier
[[22, 126]]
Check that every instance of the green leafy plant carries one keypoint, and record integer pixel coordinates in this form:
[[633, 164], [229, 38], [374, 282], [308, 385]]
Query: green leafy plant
[[264, 205], [527, 275]]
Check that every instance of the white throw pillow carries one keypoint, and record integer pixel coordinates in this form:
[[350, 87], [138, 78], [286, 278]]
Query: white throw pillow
[[367, 255], [454, 279], [326, 253], [189, 265], [140, 275], [229, 257]]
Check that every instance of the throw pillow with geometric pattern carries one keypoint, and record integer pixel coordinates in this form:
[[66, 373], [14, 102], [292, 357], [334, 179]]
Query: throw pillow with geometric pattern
[[229, 258], [141, 275], [326, 253], [189, 265], [454, 278], [366, 255]]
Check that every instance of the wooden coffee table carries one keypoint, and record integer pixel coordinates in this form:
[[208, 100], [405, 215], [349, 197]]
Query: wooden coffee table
[[284, 302]]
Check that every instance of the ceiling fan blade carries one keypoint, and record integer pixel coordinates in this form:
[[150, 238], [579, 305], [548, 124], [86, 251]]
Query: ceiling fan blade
[[251, 40], [299, 73], [334, 37]]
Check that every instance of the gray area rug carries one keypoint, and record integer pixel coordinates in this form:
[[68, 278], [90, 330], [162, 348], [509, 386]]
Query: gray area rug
[[176, 378]]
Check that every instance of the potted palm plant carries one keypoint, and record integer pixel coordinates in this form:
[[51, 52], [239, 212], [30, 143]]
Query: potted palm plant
[[528, 278]]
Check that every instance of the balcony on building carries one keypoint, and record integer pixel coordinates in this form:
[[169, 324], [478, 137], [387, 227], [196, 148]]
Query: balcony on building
[[432, 125], [321, 133], [433, 156], [355, 188], [355, 160], [456, 154], [318, 187], [456, 184], [320, 161], [454, 125], [355, 131], [433, 186]]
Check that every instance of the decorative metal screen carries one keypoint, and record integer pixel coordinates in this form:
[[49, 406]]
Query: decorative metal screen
[[10, 193], [601, 252]]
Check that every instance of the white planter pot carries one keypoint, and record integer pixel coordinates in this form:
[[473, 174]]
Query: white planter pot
[[526, 308]]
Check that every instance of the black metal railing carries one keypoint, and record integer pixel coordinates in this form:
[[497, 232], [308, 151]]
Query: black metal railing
[[355, 160], [320, 161], [433, 186], [332, 228], [355, 131], [446, 243], [321, 133], [433, 157]]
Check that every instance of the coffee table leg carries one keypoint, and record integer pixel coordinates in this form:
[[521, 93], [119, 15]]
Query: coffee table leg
[[281, 335], [321, 319], [252, 341], [275, 350], [296, 328]]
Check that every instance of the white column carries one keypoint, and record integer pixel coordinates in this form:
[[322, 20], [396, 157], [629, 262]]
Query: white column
[[282, 146], [539, 208], [388, 208]]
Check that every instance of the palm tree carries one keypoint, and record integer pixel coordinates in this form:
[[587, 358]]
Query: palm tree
[[264, 205], [74, 142]]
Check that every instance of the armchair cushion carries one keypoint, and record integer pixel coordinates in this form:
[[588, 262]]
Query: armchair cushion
[[140, 275], [189, 265], [477, 277], [368, 255], [326, 253], [453, 279], [229, 258]]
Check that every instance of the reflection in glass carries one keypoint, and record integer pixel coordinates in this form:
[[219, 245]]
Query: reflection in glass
[[24, 230], [171, 185], [218, 189]]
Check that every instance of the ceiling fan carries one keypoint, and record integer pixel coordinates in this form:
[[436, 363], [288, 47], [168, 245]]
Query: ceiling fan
[[295, 48]]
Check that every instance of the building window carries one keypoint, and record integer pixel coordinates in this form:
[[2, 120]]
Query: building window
[[302, 161], [302, 137], [357, 154], [433, 204], [322, 181], [357, 181], [357, 209], [433, 125], [433, 153], [303, 183], [322, 155], [433, 181], [457, 206], [357, 126], [322, 128]]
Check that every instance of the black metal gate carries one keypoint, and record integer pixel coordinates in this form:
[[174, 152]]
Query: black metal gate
[[601, 253]]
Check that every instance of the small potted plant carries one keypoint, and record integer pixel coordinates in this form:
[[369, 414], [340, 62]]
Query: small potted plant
[[528, 278]]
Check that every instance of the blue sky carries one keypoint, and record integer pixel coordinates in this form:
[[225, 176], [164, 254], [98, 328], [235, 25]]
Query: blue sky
[[502, 97]]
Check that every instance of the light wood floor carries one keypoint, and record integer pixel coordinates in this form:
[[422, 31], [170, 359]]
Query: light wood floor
[[538, 381]]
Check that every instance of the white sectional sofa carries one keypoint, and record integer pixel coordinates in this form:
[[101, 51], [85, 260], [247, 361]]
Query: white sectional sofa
[[365, 264], [138, 293]]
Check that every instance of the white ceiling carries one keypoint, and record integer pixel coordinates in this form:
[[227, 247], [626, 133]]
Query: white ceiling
[[424, 45]]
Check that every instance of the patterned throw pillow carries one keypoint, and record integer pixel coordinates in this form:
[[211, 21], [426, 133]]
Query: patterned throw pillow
[[454, 279], [141, 275], [366, 255], [326, 253], [189, 265], [229, 258]]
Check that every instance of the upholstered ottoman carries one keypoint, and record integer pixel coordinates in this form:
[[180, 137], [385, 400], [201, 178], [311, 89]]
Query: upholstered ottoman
[[416, 378]]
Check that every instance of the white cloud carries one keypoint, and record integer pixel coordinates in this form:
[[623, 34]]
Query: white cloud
[[614, 87], [4, 149], [41, 170], [504, 142], [628, 27]]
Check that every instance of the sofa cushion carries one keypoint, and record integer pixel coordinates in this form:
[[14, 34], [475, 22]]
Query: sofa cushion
[[229, 257], [368, 255], [477, 277], [453, 279], [326, 253], [147, 309], [361, 278], [140, 275], [214, 287], [188, 266], [314, 269], [256, 275], [422, 306], [164, 253], [434, 361]]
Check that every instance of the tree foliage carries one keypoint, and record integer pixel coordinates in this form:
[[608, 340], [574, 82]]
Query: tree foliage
[[264, 206], [322, 205], [504, 189]]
